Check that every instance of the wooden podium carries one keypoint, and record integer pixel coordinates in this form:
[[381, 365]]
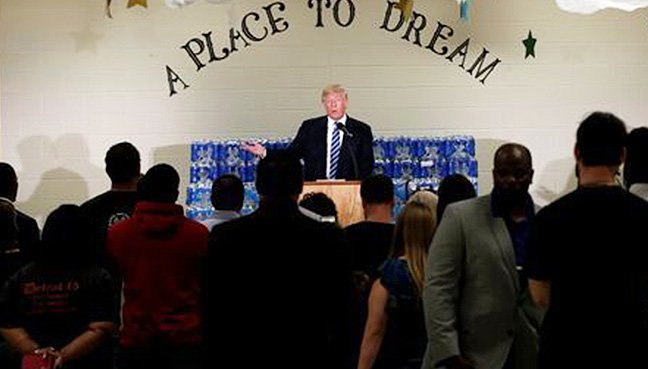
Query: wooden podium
[[345, 194]]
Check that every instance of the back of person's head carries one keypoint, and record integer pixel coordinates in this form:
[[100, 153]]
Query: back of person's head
[[122, 162], [425, 197], [413, 234], [8, 227], [227, 193], [453, 188], [635, 168], [67, 237], [279, 174], [377, 189], [8, 182], [159, 184], [601, 139], [319, 203]]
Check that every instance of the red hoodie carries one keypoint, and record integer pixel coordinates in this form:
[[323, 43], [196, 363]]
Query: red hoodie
[[160, 254]]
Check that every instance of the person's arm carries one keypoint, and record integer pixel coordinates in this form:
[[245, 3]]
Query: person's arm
[[376, 326], [19, 339], [86, 342], [540, 292], [365, 155]]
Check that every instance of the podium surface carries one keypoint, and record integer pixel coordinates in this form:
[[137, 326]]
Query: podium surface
[[345, 195]]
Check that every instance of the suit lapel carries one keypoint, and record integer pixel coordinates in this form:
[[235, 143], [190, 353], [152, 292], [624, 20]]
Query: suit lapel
[[505, 247], [321, 143]]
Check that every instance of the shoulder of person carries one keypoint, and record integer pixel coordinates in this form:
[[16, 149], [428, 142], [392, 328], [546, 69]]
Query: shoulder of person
[[314, 121], [358, 124]]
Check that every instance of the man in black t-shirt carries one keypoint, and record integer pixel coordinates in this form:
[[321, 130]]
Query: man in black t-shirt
[[587, 261], [123, 168]]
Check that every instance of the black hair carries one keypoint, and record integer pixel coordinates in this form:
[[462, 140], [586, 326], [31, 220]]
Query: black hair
[[377, 189], [122, 162], [159, 184], [227, 193], [600, 139], [279, 174]]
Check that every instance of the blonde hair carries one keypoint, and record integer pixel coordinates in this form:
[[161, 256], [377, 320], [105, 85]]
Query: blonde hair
[[333, 89], [425, 197], [413, 234]]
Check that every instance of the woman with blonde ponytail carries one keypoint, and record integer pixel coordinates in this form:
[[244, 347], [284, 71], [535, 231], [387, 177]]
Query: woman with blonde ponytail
[[394, 336]]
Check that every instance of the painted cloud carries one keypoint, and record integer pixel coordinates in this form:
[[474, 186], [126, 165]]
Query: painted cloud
[[591, 6]]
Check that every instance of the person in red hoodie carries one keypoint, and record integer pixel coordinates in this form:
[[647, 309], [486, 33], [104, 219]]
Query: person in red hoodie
[[159, 253]]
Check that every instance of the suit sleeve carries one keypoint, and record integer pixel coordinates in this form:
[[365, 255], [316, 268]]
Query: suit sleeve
[[441, 290], [365, 154], [298, 143]]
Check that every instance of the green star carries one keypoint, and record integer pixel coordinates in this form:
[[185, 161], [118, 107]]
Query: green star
[[529, 43]]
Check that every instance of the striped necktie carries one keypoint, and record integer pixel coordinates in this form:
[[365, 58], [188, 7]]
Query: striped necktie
[[335, 152]]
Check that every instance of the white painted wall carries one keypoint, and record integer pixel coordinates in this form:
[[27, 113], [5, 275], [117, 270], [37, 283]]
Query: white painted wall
[[66, 95]]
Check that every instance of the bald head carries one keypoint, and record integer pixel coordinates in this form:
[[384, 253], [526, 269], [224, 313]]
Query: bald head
[[512, 151], [512, 169]]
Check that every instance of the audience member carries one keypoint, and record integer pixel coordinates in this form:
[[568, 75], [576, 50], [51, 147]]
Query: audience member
[[160, 254], [370, 239], [28, 233], [123, 168], [319, 206], [60, 304], [283, 280], [227, 196], [453, 188], [427, 198], [20, 248], [635, 169], [394, 336], [478, 313], [587, 261]]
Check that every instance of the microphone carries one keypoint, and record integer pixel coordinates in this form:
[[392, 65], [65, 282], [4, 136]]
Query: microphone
[[343, 128]]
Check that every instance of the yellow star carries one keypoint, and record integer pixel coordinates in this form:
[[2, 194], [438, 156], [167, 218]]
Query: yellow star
[[406, 8], [132, 3]]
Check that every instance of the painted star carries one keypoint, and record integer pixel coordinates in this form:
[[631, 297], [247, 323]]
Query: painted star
[[132, 3], [529, 44]]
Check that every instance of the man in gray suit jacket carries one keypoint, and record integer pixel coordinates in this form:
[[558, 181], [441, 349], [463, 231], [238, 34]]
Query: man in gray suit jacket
[[477, 310]]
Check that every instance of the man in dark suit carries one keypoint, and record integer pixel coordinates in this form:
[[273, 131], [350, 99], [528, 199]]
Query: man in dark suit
[[28, 232], [22, 248], [287, 304], [316, 142]]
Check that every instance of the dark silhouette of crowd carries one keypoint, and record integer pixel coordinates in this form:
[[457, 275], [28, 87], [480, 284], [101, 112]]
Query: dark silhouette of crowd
[[454, 280]]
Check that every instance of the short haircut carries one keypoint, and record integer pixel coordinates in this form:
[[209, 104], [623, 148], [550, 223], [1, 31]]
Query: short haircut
[[453, 188], [159, 184], [508, 149], [67, 237], [279, 174], [8, 181], [122, 162], [227, 193], [333, 89], [319, 203], [377, 189], [635, 168], [600, 139]]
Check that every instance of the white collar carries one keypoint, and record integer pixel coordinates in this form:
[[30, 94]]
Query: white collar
[[331, 122]]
